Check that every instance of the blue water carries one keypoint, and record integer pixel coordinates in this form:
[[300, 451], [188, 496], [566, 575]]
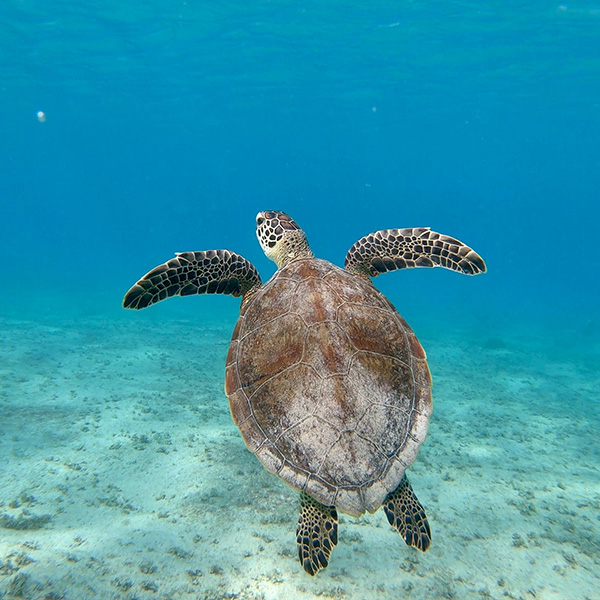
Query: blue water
[[169, 125]]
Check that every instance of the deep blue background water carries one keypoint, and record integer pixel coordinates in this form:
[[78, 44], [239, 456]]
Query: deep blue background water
[[170, 124]]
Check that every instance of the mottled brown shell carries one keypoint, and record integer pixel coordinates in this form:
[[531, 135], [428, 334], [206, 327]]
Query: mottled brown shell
[[328, 385]]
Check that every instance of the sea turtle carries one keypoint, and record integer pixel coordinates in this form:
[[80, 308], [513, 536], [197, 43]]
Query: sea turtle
[[327, 383]]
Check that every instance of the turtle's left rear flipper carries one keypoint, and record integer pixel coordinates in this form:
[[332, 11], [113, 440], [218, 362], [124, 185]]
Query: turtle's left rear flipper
[[204, 272]]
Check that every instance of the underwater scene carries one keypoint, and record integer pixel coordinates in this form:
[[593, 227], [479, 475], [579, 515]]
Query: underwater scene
[[132, 131]]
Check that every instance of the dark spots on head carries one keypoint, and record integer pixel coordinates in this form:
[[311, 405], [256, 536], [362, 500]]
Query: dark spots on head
[[290, 225]]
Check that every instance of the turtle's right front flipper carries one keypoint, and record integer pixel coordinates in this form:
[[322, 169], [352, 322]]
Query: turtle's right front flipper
[[204, 272], [391, 249]]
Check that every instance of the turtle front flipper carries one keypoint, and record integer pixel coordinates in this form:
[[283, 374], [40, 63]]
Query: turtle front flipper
[[316, 533], [204, 272], [391, 249], [404, 512]]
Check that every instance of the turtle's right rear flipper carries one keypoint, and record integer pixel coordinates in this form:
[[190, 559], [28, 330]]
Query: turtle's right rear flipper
[[204, 272], [407, 515]]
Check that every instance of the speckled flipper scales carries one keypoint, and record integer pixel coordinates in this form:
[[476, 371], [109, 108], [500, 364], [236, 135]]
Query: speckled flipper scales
[[316, 533], [405, 513], [204, 272], [391, 249]]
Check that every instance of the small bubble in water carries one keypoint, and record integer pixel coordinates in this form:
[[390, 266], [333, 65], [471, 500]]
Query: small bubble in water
[[41, 116]]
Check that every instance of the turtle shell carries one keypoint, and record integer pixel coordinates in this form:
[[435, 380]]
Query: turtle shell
[[328, 385]]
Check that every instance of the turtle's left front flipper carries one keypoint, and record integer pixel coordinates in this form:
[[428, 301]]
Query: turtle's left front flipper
[[391, 249], [204, 272]]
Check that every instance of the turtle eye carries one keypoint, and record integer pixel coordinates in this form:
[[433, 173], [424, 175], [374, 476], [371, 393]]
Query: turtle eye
[[260, 221]]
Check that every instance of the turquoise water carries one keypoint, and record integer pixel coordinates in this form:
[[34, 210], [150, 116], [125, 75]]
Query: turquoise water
[[167, 126]]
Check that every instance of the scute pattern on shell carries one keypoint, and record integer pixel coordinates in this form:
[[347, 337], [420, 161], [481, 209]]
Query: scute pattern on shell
[[328, 385]]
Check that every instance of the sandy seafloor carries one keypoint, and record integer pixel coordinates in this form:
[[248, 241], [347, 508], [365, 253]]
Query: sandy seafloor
[[123, 476]]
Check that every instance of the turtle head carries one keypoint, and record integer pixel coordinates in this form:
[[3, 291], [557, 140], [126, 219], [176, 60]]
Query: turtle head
[[281, 238]]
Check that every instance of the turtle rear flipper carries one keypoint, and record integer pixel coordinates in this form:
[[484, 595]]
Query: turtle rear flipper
[[316, 533], [204, 272], [407, 515], [391, 249]]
